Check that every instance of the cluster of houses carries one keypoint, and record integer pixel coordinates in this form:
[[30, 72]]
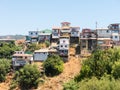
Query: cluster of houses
[[62, 37]]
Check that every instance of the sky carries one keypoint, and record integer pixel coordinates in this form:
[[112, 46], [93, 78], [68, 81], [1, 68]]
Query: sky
[[21, 16]]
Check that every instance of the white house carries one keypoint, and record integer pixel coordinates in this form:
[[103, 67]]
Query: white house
[[104, 32], [64, 46]]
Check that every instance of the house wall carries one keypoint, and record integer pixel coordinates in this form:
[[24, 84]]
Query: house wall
[[75, 32], [40, 56], [63, 43], [55, 33], [44, 37], [104, 33], [33, 33]]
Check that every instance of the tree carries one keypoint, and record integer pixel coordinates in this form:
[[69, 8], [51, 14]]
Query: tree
[[4, 69], [7, 49], [28, 77], [53, 65], [116, 70]]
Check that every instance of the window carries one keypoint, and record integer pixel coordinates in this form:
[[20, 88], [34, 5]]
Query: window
[[36, 33], [63, 41], [31, 33], [25, 57], [107, 31], [65, 45], [72, 32], [61, 45], [44, 53], [115, 36]]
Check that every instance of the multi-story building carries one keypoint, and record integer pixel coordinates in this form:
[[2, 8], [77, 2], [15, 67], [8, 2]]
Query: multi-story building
[[88, 39], [32, 37], [39, 36], [115, 32], [64, 47], [75, 34], [65, 29], [103, 32], [44, 35], [55, 34]]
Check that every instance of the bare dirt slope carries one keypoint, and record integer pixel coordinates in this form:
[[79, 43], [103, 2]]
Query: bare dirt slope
[[71, 69], [6, 85]]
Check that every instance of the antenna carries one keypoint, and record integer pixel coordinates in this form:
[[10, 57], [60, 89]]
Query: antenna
[[96, 24]]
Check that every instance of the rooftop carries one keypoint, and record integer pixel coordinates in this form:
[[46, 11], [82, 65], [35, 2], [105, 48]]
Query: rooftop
[[25, 55], [65, 23]]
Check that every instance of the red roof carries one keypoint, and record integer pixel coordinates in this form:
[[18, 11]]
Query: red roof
[[65, 23]]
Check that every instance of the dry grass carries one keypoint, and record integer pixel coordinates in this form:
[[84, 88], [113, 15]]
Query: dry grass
[[6, 85]]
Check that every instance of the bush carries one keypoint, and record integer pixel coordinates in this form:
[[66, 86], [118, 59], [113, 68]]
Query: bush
[[47, 43], [102, 84], [53, 65], [28, 77], [116, 70], [72, 85], [4, 69]]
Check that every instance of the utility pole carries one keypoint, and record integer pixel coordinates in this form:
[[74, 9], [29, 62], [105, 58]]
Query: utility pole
[[96, 35]]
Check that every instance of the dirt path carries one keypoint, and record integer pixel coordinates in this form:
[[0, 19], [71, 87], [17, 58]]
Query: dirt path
[[6, 85], [71, 69]]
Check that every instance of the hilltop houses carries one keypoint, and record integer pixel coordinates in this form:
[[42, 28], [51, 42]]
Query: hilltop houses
[[39, 36], [62, 37]]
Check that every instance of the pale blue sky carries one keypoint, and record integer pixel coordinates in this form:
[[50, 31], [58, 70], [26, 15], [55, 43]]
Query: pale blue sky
[[21, 16]]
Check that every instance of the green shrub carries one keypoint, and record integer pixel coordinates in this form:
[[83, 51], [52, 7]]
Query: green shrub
[[4, 69], [47, 43], [28, 77], [53, 65], [71, 85], [116, 70], [102, 84]]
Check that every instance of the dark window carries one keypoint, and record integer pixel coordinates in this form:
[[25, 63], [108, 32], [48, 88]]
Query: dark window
[[115, 36], [65, 45], [107, 31], [31, 33], [61, 45], [63, 41]]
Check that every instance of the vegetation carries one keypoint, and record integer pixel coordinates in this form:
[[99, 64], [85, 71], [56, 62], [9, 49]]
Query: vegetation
[[53, 65], [47, 43], [116, 70], [72, 85], [105, 83], [4, 69], [101, 71], [7, 49], [33, 46], [28, 77], [100, 63]]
